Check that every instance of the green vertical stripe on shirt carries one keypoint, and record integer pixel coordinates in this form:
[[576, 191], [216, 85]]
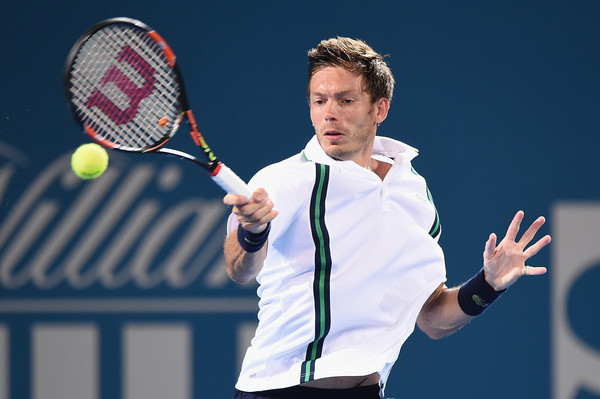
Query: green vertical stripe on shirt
[[321, 274]]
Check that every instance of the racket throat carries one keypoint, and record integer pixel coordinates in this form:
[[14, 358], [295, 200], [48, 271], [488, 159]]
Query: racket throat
[[200, 142]]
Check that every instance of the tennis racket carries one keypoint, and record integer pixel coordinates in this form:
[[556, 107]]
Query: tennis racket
[[126, 90]]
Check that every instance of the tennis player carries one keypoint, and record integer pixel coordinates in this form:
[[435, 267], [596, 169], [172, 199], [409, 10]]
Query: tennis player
[[343, 241]]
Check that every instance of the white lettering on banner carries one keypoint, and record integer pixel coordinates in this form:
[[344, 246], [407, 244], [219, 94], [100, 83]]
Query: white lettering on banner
[[576, 365], [111, 233], [6, 173], [104, 222], [173, 266]]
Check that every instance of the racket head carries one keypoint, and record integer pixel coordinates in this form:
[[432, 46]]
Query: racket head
[[124, 87]]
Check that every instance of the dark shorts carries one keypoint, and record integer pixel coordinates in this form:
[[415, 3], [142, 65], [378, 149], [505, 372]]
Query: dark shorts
[[299, 392]]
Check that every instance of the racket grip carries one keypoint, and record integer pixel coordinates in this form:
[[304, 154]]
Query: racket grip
[[230, 182]]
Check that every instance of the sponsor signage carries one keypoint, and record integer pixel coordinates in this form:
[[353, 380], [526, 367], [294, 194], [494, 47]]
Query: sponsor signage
[[576, 275], [116, 287]]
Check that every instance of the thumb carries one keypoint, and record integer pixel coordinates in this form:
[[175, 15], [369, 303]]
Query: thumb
[[490, 247]]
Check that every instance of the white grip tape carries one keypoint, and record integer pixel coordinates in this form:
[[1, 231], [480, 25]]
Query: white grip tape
[[231, 182]]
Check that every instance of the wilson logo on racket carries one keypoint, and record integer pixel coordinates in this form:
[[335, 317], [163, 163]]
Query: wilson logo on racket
[[127, 86]]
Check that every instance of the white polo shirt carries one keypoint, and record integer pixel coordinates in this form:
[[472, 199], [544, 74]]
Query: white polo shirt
[[351, 260]]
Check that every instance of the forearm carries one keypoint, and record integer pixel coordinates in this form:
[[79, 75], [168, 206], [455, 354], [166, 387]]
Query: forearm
[[242, 266], [442, 315], [447, 310]]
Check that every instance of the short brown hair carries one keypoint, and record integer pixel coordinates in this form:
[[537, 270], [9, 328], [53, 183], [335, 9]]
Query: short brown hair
[[356, 57]]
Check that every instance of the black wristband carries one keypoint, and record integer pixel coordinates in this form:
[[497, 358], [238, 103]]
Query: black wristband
[[252, 242], [476, 295]]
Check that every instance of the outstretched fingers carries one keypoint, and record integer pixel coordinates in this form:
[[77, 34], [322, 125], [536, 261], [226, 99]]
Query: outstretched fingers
[[531, 231], [505, 262], [529, 235], [535, 248], [515, 225]]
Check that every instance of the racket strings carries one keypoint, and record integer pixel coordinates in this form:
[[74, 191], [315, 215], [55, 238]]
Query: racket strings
[[124, 89]]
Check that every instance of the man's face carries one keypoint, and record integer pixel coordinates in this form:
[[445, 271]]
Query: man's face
[[344, 118]]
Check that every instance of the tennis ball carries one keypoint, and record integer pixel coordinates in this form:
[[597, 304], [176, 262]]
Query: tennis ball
[[89, 161]]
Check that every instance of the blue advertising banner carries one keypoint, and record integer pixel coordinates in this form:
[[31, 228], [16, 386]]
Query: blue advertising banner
[[116, 287]]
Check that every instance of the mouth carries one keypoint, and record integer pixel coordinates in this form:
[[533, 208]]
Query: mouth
[[333, 135]]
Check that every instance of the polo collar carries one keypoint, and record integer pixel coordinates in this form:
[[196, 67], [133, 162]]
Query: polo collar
[[383, 146]]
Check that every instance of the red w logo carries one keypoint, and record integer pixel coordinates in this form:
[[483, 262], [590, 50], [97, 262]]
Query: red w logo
[[130, 89]]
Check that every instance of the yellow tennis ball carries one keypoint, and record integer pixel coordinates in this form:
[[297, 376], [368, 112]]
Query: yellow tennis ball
[[89, 161]]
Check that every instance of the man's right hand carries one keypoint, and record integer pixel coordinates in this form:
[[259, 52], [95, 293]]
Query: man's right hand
[[253, 213]]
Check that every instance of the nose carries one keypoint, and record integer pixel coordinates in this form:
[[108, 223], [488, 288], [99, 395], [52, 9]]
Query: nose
[[330, 111]]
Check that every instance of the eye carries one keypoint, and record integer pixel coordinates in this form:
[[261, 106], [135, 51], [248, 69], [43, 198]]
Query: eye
[[347, 101], [318, 101]]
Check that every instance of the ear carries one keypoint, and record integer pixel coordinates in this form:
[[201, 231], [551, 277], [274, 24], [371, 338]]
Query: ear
[[382, 106]]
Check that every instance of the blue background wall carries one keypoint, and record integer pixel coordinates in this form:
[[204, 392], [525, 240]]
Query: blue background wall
[[501, 98]]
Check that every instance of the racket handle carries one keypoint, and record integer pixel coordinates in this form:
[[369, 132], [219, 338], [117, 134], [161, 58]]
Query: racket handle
[[230, 182]]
